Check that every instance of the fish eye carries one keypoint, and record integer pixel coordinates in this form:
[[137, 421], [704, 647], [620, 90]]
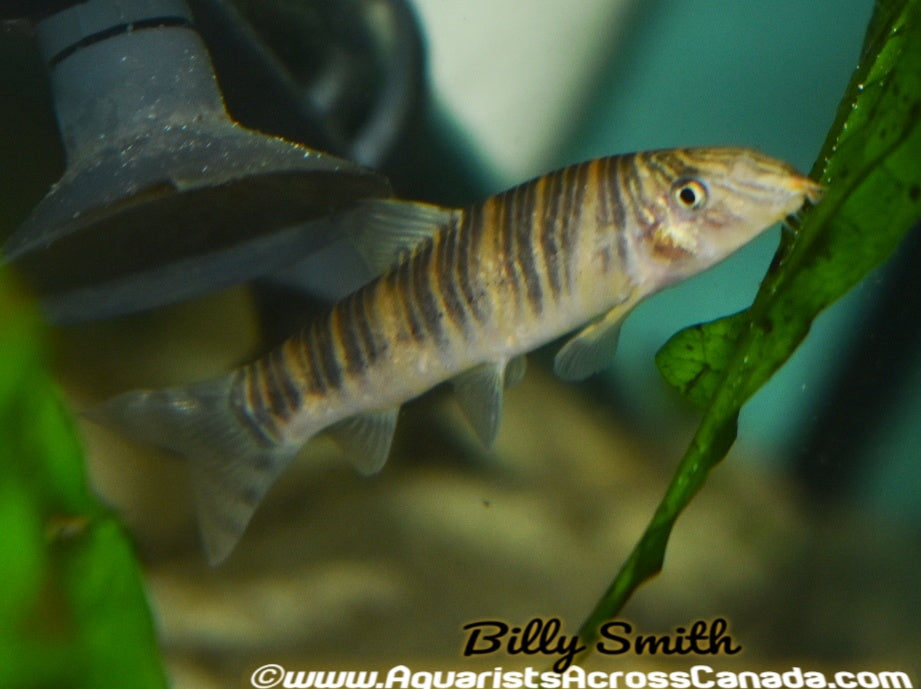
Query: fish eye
[[690, 193]]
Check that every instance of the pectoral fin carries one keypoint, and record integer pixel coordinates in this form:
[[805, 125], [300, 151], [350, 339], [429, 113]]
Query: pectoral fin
[[366, 438], [385, 231], [593, 348], [479, 392]]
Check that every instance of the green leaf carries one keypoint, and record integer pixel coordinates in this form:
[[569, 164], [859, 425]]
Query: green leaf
[[72, 607], [870, 167], [695, 359]]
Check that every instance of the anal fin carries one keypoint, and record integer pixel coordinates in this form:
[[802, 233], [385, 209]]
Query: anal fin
[[515, 370], [366, 438], [479, 392]]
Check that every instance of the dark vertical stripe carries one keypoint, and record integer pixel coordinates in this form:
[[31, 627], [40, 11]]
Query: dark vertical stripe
[[553, 186], [630, 191], [308, 363], [563, 233], [520, 228], [252, 417], [283, 387], [586, 175], [262, 395], [622, 202], [446, 244], [256, 397], [404, 290], [603, 211], [503, 226], [622, 240], [315, 357], [549, 228], [572, 209], [424, 296], [610, 194], [237, 399], [372, 343], [616, 205], [574, 192], [469, 229], [348, 336], [323, 354]]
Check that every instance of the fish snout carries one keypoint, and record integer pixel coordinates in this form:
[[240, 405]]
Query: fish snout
[[808, 188]]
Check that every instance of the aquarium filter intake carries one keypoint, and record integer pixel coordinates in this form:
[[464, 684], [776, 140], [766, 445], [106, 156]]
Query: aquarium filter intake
[[164, 197]]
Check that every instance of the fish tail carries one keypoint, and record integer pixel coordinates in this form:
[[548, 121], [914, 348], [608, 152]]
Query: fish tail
[[232, 463]]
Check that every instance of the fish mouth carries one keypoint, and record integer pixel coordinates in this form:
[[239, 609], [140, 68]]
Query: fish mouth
[[796, 183], [808, 188]]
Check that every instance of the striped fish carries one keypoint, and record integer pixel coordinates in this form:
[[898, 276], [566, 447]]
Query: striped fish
[[463, 294]]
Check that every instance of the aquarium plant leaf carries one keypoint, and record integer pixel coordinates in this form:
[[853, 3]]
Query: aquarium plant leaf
[[869, 164], [694, 360], [73, 612]]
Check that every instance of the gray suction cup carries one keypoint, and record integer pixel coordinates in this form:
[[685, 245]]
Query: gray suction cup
[[164, 197]]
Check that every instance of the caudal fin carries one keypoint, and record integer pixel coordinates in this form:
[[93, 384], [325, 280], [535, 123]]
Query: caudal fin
[[232, 465]]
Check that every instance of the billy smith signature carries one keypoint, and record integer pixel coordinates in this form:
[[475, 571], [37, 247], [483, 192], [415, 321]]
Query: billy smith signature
[[545, 637]]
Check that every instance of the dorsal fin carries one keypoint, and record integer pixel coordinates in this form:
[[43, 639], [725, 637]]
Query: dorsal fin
[[385, 231]]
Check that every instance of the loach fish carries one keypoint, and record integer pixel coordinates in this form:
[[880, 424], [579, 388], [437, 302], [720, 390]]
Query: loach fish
[[462, 295]]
